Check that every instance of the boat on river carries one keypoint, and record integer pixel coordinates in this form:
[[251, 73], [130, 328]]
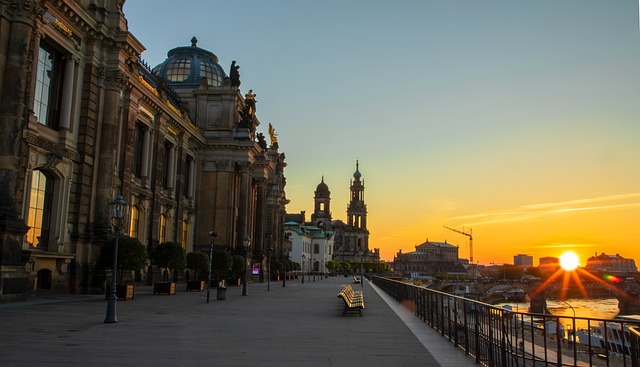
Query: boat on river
[[613, 335]]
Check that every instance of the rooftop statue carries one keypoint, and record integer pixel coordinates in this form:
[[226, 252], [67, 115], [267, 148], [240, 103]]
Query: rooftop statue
[[234, 75], [273, 135], [250, 102]]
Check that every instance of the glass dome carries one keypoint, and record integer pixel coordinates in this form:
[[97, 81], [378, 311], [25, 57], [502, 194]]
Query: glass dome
[[186, 66]]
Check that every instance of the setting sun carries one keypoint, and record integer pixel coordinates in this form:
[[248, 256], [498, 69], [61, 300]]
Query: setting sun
[[569, 260]]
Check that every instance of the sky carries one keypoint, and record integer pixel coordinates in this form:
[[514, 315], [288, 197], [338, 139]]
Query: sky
[[518, 120]]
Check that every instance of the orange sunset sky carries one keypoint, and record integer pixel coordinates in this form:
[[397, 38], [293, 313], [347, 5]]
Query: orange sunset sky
[[518, 119]]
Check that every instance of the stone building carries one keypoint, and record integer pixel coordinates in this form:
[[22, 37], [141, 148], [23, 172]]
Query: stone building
[[83, 119], [614, 264], [351, 242], [430, 258]]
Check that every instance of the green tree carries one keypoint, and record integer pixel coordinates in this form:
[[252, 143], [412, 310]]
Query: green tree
[[170, 256], [221, 262], [132, 255], [238, 265], [197, 262]]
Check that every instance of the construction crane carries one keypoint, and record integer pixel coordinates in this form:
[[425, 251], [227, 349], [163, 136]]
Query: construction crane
[[470, 235]]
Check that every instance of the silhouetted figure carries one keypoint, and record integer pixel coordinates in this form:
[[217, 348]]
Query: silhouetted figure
[[234, 75]]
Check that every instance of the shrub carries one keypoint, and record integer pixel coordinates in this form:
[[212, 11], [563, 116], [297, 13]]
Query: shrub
[[132, 255]]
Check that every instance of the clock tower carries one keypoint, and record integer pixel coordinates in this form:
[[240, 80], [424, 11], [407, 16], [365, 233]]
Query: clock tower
[[321, 216]]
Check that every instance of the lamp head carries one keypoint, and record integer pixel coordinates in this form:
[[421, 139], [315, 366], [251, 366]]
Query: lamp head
[[246, 242], [213, 234], [118, 210]]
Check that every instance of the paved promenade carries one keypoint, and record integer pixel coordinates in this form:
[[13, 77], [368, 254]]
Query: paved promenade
[[298, 325]]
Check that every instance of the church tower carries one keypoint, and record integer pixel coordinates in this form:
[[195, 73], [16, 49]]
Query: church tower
[[357, 209], [321, 216]]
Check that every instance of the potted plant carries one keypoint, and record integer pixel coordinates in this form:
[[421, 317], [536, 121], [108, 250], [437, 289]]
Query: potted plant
[[197, 262], [170, 256], [276, 266], [132, 256], [238, 268], [221, 263]]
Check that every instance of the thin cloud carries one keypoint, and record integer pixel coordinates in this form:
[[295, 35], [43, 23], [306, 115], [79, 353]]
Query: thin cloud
[[533, 211]]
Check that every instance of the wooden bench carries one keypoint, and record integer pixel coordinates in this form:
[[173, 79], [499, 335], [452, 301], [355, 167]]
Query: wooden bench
[[353, 300], [356, 279]]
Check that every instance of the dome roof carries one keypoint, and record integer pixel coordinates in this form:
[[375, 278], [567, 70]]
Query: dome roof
[[357, 173], [322, 189], [186, 66]]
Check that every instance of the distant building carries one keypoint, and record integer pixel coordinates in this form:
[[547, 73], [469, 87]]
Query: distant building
[[311, 246], [522, 260], [347, 242], [548, 264], [430, 258], [614, 264]]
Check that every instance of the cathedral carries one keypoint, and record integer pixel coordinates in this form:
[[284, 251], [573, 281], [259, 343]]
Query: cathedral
[[83, 119], [351, 239]]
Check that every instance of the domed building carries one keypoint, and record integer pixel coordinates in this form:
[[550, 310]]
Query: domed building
[[179, 142]]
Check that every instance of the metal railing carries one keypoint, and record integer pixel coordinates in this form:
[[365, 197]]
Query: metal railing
[[499, 337]]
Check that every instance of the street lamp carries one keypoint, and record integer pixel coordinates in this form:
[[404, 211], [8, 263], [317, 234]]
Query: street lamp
[[269, 271], [246, 242], [212, 234], [286, 260], [313, 265], [362, 269], [118, 210], [304, 259]]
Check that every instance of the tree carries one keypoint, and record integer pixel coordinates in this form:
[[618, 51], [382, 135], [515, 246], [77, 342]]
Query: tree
[[132, 255], [221, 262], [197, 261], [170, 256]]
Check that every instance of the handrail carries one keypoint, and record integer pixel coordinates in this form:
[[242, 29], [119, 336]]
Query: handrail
[[499, 337]]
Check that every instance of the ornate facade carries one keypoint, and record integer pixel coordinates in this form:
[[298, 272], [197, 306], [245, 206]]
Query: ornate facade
[[430, 258], [351, 242], [83, 119]]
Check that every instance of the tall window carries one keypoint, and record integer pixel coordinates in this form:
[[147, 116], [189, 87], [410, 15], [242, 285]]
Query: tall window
[[39, 217], [163, 228], [185, 234], [316, 249], [48, 86], [187, 175], [135, 222], [167, 164], [138, 143]]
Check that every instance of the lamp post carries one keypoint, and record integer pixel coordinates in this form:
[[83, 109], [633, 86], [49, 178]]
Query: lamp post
[[313, 265], [304, 259], [269, 270], [212, 234], [118, 210], [286, 260], [246, 242], [362, 270]]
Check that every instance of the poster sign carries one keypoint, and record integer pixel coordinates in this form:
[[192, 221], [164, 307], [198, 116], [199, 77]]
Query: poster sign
[[255, 268]]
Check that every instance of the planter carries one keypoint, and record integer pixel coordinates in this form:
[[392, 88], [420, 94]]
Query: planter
[[164, 287], [221, 294], [124, 292], [195, 285]]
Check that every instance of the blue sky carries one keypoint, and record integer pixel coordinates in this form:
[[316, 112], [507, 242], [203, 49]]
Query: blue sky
[[454, 108]]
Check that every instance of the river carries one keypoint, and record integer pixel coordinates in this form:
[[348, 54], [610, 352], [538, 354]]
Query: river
[[597, 308]]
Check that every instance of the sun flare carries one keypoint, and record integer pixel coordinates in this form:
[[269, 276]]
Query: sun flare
[[569, 260]]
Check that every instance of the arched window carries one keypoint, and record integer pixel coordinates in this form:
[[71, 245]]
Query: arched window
[[39, 218], [135, 222], [163, 228]]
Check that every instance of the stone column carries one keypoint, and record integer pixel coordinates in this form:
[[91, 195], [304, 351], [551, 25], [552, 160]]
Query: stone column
[[260, 217], [106, 161], [191, 171], [244, 209], [16, 35]]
